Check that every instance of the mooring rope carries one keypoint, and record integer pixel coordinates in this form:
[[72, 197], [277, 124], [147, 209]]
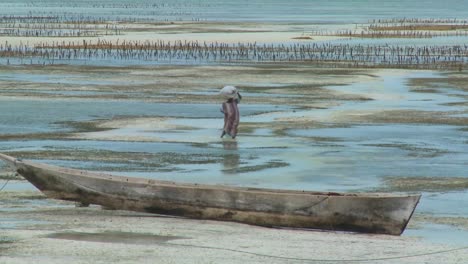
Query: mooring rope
[[1, 189], [323, 260], [5, 184]]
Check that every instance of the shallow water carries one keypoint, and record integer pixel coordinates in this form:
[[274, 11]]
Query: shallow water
[[345, 158], [336, 11], [391, 91], [445, 204], [8, 223], [442, 234], [45, 115]]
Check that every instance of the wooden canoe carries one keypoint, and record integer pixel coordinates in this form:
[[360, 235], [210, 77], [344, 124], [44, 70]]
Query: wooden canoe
[[357, 212]]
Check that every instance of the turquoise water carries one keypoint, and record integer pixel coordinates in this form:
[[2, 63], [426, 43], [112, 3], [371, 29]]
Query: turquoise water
[[18, 116], [309, 11], [348, 158]]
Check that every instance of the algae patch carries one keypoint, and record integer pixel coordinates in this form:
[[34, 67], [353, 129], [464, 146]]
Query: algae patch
[[414, 151], [269, 165], [458, 222], [406, 116], [5, 243], [105, 160], [115, 237], [5, 240], [451, 81], [21, 195], [426, 184]]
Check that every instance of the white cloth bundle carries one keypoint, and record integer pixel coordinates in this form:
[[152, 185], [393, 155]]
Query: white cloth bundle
[[229, 92]]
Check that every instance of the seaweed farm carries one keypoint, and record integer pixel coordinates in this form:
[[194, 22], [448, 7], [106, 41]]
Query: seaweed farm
[[337, 96], [193, 52], [185, 32], [106, 42], [32, 26], [403, 28]]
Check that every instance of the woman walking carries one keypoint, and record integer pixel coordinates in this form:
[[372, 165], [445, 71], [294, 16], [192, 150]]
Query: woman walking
[[230, 110]]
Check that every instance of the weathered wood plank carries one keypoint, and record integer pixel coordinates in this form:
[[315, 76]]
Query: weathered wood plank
[[360, 212]]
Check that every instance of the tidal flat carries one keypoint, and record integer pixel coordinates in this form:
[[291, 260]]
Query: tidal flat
[[369, 100], [306, 128]]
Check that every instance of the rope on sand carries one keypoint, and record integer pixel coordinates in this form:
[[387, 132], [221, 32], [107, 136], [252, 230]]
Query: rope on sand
[[5, 184], [1, 189], [324, 260]]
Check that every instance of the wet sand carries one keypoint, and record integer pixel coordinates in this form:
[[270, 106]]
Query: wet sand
[[57, 232]]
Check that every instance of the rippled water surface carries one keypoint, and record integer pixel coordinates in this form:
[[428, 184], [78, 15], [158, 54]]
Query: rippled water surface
[[312, 11]]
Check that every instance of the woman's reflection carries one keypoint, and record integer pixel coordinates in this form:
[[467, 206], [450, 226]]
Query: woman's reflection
[[231, 157]]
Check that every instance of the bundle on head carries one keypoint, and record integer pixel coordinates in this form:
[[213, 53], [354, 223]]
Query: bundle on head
[[229, 92]]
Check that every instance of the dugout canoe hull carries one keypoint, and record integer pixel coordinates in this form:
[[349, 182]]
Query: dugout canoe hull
[[357, 212]]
